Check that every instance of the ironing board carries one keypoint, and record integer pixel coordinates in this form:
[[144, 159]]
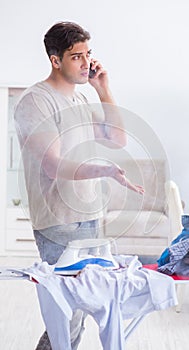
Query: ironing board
[[176, 278], [10, 273], [16, 274], [179, 280]]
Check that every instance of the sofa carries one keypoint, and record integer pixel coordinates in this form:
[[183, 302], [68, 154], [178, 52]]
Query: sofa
[[142, 224]]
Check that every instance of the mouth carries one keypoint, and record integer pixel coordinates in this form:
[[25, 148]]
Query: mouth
[[85, 74]]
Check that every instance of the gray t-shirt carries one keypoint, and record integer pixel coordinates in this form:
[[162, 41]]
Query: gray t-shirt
[[43, 111]]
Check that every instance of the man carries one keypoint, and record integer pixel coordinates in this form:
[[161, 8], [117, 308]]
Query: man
[[57, 129]]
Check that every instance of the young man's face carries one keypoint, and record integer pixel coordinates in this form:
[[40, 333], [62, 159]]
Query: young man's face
[[75, 63]]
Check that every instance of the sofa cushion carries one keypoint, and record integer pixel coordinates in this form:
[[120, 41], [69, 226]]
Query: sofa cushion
[[132, 223]]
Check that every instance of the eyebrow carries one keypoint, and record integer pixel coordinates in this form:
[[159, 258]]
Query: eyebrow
[[80, 53]]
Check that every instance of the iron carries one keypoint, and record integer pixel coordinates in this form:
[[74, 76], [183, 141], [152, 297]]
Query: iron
[[80, 253]]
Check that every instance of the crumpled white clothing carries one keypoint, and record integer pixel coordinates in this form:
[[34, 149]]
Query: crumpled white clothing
[[109, 296]]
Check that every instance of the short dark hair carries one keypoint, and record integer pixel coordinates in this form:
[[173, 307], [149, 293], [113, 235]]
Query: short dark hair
[[62, 36]]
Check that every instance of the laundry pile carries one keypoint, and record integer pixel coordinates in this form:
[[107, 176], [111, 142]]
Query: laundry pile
[[175, 258]]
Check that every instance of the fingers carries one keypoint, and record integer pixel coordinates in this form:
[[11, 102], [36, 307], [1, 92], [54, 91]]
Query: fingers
[[99, 68], [140, 189], [136, 188], [96, 64], [119, 175]]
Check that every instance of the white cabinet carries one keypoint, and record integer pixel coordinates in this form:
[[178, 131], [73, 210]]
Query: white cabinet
[[16, 235], [19, 234], [15, 173]]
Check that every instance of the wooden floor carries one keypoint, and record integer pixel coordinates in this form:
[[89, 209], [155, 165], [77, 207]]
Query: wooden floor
[[21, 324]]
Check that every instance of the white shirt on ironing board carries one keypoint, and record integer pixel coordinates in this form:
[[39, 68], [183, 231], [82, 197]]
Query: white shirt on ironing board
[[109, 296]]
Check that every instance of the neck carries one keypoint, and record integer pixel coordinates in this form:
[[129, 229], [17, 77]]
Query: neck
[[61, 85]]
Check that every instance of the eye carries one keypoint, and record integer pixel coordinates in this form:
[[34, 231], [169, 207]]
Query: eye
[[76, 57]]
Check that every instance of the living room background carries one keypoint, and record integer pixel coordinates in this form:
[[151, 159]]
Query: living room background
[[143, 44]]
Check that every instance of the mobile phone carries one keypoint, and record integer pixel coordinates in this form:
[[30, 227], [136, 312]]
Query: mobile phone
[[92, 72]]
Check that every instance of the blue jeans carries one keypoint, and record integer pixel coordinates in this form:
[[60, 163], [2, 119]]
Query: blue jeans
[[52, 241], [50, 250], [185, 221]]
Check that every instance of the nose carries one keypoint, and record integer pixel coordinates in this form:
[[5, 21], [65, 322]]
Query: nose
[[85, 62]]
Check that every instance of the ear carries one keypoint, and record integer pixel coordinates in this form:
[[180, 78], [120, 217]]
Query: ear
[[55, 60]]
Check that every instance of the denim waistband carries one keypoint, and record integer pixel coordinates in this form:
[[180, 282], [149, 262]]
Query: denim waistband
[[62, 234]]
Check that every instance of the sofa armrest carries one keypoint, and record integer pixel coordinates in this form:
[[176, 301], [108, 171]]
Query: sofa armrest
[[174, 209]]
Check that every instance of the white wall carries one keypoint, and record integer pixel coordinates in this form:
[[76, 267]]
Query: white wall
[[144, 44]]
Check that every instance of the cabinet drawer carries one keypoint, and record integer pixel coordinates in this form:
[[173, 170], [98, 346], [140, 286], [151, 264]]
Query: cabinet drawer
[[20, 240], [17, 219]]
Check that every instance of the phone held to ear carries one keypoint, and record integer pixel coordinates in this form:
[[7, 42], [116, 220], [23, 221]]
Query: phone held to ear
[[92, 72]]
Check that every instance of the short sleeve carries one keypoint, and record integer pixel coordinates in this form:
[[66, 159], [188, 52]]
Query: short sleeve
[[34, 115]]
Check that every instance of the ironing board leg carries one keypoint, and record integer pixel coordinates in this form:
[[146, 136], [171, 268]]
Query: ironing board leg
[[132, 325], [180, 288]]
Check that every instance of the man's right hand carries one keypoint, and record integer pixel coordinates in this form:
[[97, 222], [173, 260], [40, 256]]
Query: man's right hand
[[119, 175]]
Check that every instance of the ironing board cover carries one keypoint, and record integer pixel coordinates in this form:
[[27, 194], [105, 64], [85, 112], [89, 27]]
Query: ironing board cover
[[174, 276]]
